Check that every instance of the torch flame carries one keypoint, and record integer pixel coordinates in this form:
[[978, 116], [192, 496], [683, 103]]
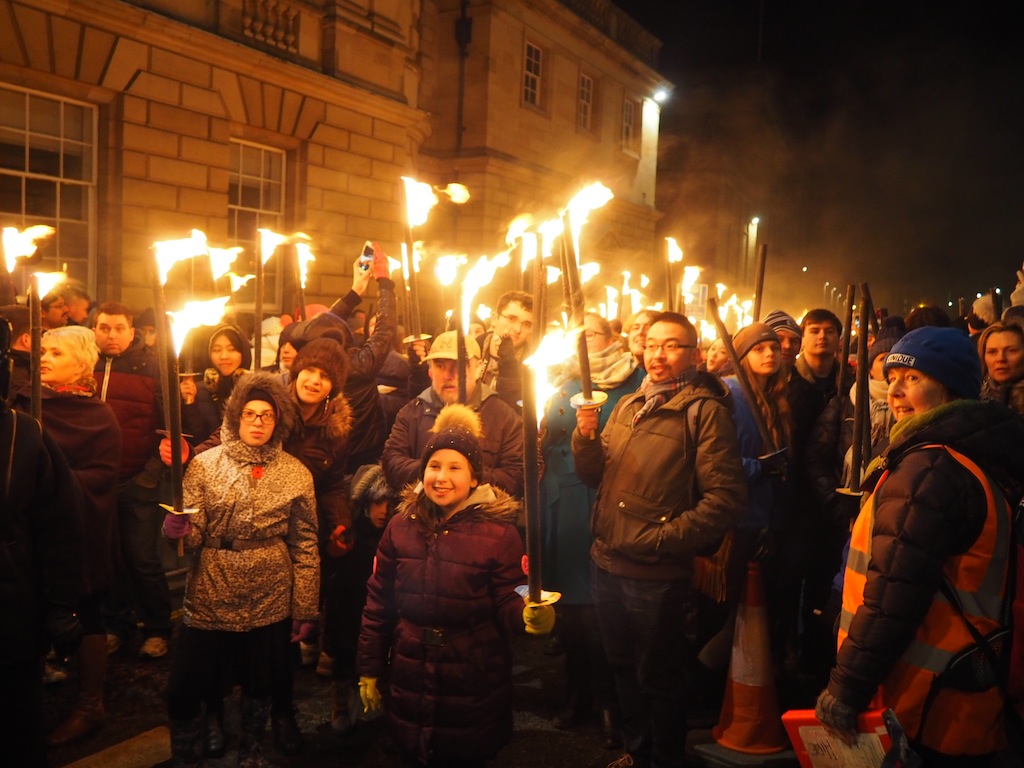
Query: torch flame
[[192, 315], [237, 281], [556, 347], [589, 270], [447, 267], [47, 281], [269, 240], [457, 193], [221, 260], [170, 252], [479, 275], [304, 254], [483, 312], [517, 227], [419, 199], [19, 244], [675, 253]]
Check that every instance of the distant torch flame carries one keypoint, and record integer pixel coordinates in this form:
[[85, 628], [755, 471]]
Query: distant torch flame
[[479, 275], [269, 240], [47, 281], [419, 199], [22, 244], [238, 281], [447, 268], [192, 315], [457, 193], [304, 254], [675, 253], [221, 260], [170, 252]]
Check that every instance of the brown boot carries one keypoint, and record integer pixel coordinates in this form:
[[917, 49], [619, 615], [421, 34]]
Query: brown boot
[[87, 716]]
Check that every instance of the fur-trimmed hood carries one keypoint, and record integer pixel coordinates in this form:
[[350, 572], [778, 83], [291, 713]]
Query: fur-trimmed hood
[[271, 383], [335, 414], [485, 503]]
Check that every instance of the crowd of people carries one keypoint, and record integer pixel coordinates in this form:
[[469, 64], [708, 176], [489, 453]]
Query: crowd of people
[[353, 499]]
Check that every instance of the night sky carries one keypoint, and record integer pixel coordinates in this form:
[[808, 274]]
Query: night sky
[[900, 125]]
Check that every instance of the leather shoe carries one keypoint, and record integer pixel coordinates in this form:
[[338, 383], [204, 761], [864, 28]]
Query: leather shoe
[[81, 723], [214, 744], [287, 736]]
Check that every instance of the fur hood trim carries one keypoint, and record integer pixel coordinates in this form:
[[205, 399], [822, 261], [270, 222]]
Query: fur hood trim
[[369, 484], [270, 382], [485, 503], [335, 413]]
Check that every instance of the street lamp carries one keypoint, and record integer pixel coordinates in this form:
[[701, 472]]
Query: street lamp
[[832, 298], [824, 293]]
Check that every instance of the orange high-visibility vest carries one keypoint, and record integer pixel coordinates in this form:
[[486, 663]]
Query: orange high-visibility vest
[[957, 723]]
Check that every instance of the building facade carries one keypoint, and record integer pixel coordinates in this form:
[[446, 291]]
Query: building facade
[[125, 123]]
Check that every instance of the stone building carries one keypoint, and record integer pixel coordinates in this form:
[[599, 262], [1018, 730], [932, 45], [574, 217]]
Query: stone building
[[128, 122]]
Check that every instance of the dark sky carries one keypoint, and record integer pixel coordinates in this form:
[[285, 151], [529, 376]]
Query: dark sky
[[900, 127]]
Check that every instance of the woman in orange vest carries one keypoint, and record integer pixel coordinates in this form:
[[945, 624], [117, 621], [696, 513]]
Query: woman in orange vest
[[937, 524]]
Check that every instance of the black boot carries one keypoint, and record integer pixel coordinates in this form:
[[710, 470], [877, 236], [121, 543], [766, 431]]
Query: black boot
[[213, 733], [287, 736], [254, 725], [611, 736], [186, 736]]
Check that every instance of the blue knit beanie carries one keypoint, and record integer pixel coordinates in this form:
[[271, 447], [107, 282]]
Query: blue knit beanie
[[946, 354]]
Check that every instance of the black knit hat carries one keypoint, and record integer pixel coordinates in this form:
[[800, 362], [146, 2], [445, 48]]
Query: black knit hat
[[458, 428], [891, 331], [326, 354], [749, 337]]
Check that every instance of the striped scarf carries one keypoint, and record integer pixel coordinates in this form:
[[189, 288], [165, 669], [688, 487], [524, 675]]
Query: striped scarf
[[656, 395]]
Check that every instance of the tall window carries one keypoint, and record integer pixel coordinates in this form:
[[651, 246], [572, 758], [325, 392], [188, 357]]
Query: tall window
[[630, 124], [532, 72], [585, 104], [256, 201], [48, 176]]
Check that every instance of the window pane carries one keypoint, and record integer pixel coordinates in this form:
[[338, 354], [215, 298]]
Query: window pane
[[73, 245], [77, 162], [12, 109], [10, 194], [250, 196], [272, 165], [12, 150], [44, 116], [75, 123], [272, 196], [40, 198], [73, 202], [44, 156], [252, 161]]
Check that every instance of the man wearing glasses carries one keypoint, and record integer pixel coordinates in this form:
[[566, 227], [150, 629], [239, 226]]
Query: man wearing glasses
[[671, 483], [505, 346]]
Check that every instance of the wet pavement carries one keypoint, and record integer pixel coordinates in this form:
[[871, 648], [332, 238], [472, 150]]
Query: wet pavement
[[135, 736]]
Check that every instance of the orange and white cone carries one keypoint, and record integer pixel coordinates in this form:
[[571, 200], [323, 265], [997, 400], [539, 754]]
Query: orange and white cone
[[750, 720]]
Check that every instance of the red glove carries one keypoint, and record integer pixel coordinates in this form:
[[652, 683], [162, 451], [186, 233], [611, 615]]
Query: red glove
[[380, 266], [165, 451], [526, 565], [340, 542]]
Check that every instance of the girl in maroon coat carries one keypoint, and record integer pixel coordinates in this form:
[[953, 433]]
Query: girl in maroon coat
[[441, 604], [88, 434]]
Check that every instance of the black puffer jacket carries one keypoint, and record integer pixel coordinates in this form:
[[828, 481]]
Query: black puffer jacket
[[929, 509], [450, 692]]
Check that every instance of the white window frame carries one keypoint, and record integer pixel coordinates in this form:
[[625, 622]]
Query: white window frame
[[630, 124], [533, 74], [253, 205], [62, 251], [585, 93]]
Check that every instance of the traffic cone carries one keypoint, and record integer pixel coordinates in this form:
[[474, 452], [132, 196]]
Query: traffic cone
[[750, 720]]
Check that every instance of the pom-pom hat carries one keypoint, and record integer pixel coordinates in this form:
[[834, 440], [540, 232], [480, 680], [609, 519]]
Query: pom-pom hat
[[457, 428], [946, 354]]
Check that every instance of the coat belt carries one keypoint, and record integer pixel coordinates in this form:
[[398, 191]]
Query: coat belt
[[237, 545]]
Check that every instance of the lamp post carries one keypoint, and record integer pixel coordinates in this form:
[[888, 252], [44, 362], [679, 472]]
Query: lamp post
[[824, 292]]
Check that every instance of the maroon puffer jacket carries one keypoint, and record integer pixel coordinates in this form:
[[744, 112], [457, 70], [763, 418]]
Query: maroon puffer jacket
[[441, 605]]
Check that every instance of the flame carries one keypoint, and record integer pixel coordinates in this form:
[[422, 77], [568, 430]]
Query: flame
[[612, 297], [237, 281], [483, 312], [720, 287], [405, 263], [554, 275], [549, 233], [517, 228], [447, 268], [269, 240], [304, 254], [457, 193], [556, 347], [644, 280], [589, 270], [529, 246], [47, 281], [192, 315], [479, 275], [393, 264], [579, 208], [170, 252], [221, 260], [419, 199], [21, 244], [675, 253]]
